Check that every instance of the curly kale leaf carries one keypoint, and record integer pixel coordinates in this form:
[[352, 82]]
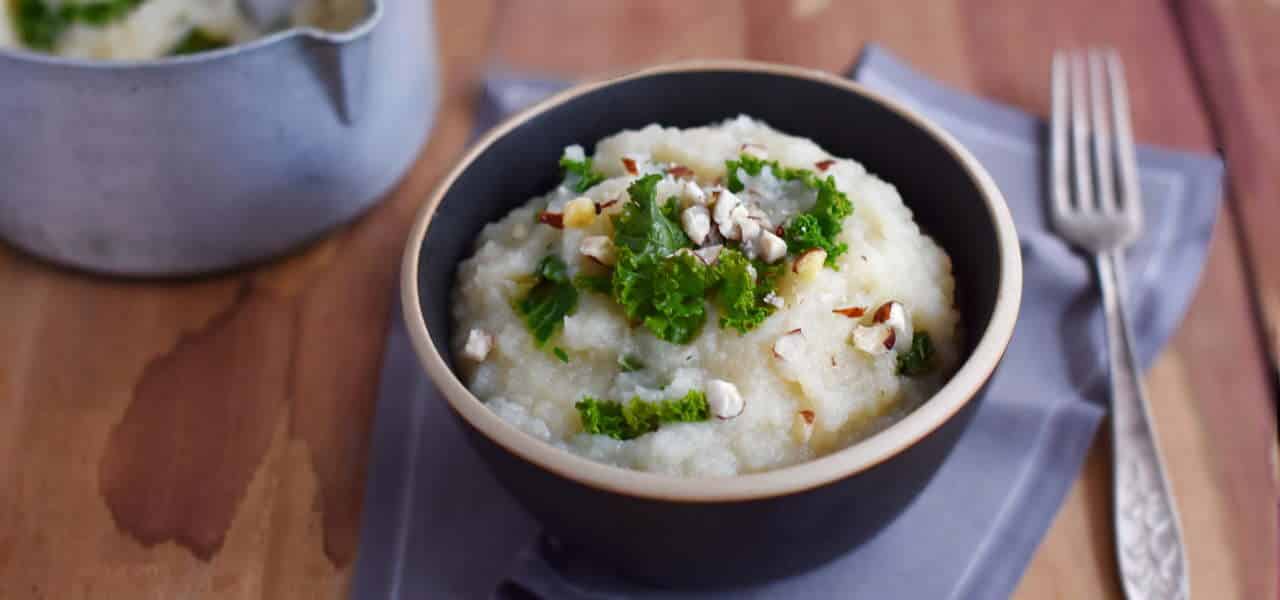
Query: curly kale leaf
[[549, 301], [637, 417]]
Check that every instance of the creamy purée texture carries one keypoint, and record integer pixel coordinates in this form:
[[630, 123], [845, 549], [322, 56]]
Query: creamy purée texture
[[850, 393], [155, 27]]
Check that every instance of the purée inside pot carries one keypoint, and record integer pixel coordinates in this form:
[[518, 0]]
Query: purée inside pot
[[741, 529], [205, 162]]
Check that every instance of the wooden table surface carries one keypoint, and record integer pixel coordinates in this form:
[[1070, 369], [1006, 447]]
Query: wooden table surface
[[208, 438]]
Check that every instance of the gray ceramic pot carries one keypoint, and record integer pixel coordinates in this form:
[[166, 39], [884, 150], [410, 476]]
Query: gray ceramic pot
[[193, 164]]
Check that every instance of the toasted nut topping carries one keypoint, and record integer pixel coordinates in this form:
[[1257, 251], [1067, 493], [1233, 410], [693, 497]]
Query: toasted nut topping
[[598, 248], [759, 216], [603, 206], [823, 165], [802, 427], [709, 254], [629, 164], [772, 247], [755, 150], [579, 212], [789, 346], [748, 229], [680, 172], [808, 264], [553, 219], [723, 211], [871, 338], [696, 222], [853, 312], [724, 399], [894, 315], [691, 194], [479, 343]]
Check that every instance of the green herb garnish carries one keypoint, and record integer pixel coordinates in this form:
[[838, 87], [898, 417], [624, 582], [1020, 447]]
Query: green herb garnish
[[600, 284], [653, 282], [815, 228], [918, 359], [629, 363], [819, 226], [198, 40], [579, 176], [637, 417], [753, 166], [39, 25], [561, 354], [668, 295], [740, 295], [645, 227], [549, 301]]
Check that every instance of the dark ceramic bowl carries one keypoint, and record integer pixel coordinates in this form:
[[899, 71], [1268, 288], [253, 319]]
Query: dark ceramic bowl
[[734, 530]]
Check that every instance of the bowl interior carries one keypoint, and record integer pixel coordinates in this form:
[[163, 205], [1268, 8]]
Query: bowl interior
[[946, 200]]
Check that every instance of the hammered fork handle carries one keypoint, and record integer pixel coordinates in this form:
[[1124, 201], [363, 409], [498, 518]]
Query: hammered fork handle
[[1148, 539]]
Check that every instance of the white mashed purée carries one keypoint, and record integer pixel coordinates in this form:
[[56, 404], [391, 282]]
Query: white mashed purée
[[811, 378], [150, 29]]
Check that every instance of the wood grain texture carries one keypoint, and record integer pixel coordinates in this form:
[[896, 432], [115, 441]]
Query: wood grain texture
[[208, 438], [1234, 47]]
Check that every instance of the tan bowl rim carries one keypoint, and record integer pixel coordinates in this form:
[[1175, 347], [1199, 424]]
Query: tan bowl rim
[[954, 395]]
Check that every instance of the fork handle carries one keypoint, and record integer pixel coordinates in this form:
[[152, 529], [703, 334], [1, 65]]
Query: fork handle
[[1149, 546]]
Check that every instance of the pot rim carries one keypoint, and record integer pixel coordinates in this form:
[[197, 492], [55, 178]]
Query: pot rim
[[959, 390], [372, 17]]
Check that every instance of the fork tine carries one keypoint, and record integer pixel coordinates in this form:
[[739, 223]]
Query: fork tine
[[1058, 159], [1126, 154], [1080, 136], [1101, 133]]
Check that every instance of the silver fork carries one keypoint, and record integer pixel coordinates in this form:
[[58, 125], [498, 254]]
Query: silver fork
[[1096, 206]]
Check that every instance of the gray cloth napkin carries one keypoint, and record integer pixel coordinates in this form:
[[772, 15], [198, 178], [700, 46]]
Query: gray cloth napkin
[[436, 524]]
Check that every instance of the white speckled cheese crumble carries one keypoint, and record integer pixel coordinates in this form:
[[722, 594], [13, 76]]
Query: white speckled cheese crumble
[[834, 351]]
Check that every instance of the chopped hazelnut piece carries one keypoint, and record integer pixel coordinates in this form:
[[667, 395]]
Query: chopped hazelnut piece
[[603, 206], [553, 219], [790, 346], [759, 216], [680, 172], [772, 247], [895, 316], [709, 254], [872, 339], [809, 263], [691, 194], [479, 344], [598, 248], [724, 399], [579, 212], [748, 229], [696, 222], [722, 212], [853, 312], [802, 427]]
